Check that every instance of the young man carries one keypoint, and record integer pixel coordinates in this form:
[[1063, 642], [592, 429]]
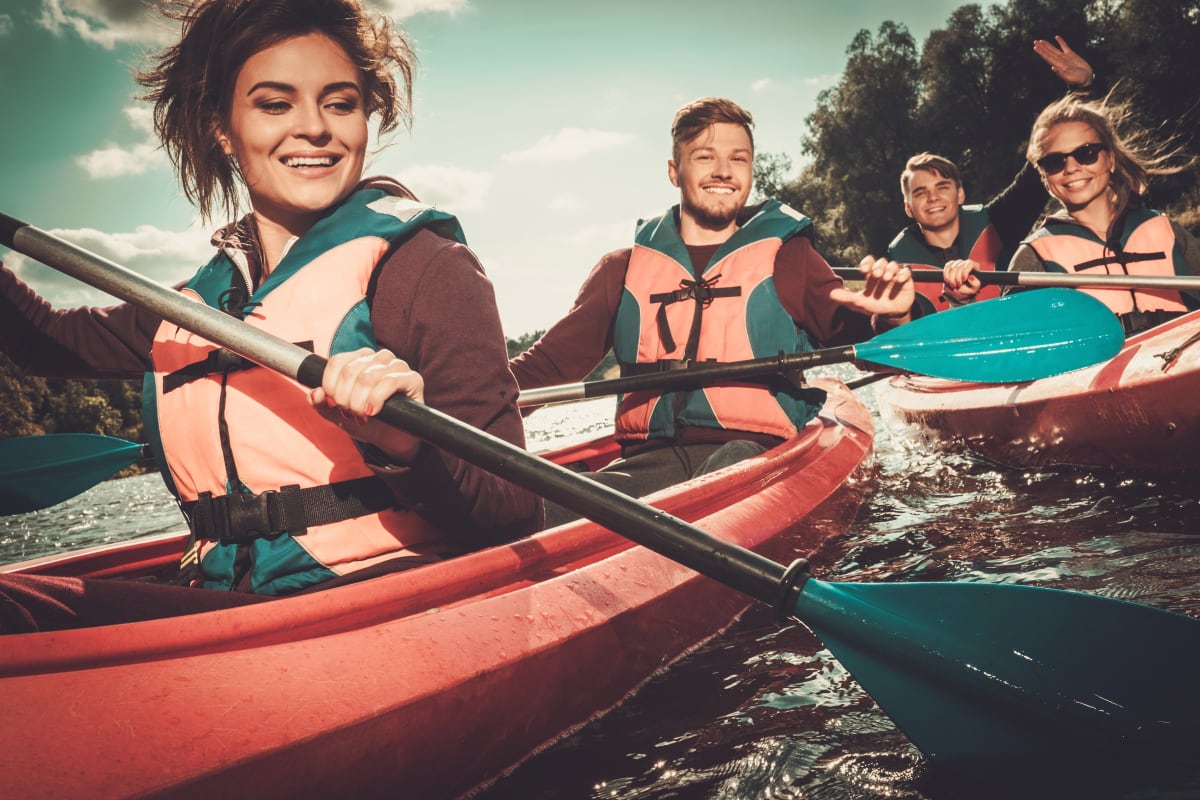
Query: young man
[[961, 239], [710, 280]]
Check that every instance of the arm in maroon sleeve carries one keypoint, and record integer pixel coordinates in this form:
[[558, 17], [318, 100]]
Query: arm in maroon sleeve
[[579, 341], [111, 342], [434, 307], [803, 281]]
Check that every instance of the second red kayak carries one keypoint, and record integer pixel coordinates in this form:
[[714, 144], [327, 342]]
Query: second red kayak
[[1135, 412]]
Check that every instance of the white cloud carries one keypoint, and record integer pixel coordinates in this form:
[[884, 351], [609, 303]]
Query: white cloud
[[403, 9], [141, 118], [565, 203], [164, 256], [828, 79], [6, 25], [454, 189], [114, 161], [760, 84], [107, 22], [570, 144]]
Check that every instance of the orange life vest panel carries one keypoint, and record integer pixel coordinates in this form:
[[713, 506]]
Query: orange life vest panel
[[233, 428], [672, 311], [1143, 245]]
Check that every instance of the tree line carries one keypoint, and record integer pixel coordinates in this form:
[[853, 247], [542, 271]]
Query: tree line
[[969, 93], [33, 406]]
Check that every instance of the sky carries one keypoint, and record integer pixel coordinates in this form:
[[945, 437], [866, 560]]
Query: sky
[[544, 125]]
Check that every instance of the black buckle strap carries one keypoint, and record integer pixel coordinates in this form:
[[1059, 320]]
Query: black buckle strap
[[702, 291], [664, 365], [1120, 257], [216, 362], [1138, 321], [240, 518]]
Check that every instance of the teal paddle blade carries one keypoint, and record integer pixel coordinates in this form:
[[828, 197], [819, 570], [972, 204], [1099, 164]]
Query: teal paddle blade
[[41, 471], [1019, 337], [1015, 683]]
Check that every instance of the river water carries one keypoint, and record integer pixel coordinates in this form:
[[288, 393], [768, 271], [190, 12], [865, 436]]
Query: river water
[[764, 712]]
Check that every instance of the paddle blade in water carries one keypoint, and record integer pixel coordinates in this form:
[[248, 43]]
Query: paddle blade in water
[[41, 471], [1015, 683], [1019, 337]]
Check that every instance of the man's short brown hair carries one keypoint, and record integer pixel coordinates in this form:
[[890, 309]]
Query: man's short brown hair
[[928, 162], [695, 117]]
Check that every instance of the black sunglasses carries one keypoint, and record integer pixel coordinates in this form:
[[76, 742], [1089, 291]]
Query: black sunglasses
[[1054, 163]]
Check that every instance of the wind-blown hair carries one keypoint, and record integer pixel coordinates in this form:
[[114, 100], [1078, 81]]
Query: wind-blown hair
[[1136, 156], [191, 82]]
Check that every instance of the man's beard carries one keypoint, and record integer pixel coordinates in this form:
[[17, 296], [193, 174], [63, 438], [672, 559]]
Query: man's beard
[[710, 220]]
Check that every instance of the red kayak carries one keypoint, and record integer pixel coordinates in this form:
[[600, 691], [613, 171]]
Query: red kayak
[[428, 683], [1136, 412]]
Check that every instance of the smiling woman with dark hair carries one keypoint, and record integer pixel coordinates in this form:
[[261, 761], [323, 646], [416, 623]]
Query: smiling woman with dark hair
[[269, 103]]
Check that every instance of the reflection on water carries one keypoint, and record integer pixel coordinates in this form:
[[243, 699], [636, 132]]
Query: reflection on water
[[113, 511], [765, 711]]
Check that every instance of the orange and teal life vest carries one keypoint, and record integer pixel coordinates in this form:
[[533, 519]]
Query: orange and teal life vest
[[977, 240], [673, 312], [249, 460], [1143, 243]]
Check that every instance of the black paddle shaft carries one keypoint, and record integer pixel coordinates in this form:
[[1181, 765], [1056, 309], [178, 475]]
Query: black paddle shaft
[[1045, 279], [742, 569], [700, 373]]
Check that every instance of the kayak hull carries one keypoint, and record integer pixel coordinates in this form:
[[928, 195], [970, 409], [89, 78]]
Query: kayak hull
[[1135, 412], [427, 683]]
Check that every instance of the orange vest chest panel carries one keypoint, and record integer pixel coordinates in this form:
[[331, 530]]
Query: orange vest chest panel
[[750, 323], [1147, 247], [274, 437]]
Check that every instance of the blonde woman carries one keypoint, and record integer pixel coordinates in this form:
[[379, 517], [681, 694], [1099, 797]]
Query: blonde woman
[[1105, 228]]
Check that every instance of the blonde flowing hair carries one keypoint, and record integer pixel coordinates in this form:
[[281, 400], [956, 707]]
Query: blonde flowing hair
[[1135, 153]]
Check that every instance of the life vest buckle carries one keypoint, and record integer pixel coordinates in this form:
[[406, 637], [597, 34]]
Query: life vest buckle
[[240, 518], [250, 515], [1137, 320]]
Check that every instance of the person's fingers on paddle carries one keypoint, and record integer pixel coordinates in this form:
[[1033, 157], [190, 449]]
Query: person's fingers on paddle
[[855, 300], [960, 279], [888, 282], [887, 290], [355, 387], [361, 381]]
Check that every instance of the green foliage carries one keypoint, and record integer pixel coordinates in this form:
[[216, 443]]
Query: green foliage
[[971, 94], [523, 342], [31, 406], [770, 175]]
